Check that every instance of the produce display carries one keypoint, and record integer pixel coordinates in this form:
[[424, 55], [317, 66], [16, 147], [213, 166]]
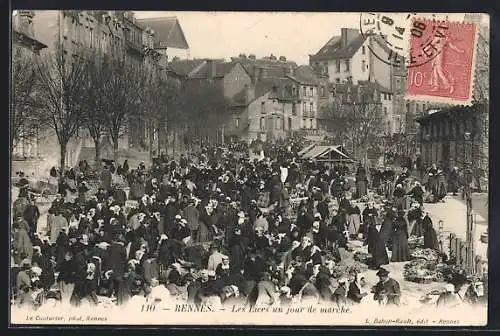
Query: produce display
[[414, 241], [427, 254], [421, 271], [362, 257]]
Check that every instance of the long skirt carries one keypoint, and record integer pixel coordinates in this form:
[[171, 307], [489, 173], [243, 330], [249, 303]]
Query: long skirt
[[353, 223], [204, 233], [400, 250], [360, 189], [416, 229]]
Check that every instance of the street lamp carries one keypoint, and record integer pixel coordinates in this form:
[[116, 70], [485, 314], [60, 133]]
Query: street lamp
[[468, 201]]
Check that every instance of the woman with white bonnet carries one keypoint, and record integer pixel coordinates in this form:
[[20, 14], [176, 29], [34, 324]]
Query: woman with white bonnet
[[448, 299]]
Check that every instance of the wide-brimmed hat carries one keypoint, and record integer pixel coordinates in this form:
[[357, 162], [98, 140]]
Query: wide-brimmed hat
[[382, 272]]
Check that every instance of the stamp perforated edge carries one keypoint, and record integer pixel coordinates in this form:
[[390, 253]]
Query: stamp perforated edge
[[451, 100]]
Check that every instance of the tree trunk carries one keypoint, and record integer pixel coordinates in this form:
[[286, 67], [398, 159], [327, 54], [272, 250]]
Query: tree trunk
[[63, 151], [97, 146], [115, 151], [151, 134], [174, 135]]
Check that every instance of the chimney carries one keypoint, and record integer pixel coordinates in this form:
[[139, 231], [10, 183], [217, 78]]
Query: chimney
[[343, 36], [211, 68], [251, 57]]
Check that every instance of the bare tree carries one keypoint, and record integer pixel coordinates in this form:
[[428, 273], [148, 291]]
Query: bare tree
[[62, 95], [95, 107], [121, 92], [355, 117], [23, 104]]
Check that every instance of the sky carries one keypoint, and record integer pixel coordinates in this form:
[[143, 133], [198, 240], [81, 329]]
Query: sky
[[293, 35], [227, 34]]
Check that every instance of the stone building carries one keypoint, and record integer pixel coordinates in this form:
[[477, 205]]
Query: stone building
[[26, 49], [115, 33]]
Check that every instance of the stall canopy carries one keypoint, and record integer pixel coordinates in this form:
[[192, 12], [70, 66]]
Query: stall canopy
[[327, 153], [307, 149]]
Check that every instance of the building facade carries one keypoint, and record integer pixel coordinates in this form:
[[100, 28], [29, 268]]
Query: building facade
[[350, 58], [26, 50], [455, 136], [112, 33]]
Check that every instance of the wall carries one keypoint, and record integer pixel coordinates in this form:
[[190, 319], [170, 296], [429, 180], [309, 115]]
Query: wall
[[180, 53], [380, 71], [235, 81], [307, 118], [255, 114], [337, 77], [387, 110], [357, 72]]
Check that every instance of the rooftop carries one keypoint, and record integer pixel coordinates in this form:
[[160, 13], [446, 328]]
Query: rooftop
[[340, 47], [168, 32]]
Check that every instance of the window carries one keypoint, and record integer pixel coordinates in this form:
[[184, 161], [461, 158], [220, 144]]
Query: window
[[278, 123], [363, 65], [289, 123], [91, 33], [294, 109], [390, 96], [337, 66], [323, 91], [311, 108], [337, 80], [262, 124], [312, 124], [347, 65], [385, 96], [263, 107], [363, 50], [302, 123], [311, 91], [294, 91], [304, 111], [385, 111], [304, 91], [237, 122]]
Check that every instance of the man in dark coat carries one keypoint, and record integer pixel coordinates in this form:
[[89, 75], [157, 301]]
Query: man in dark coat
[[417, 193], [31, 215], [106, 178], [118, 262], [192, 215], [387, 290]]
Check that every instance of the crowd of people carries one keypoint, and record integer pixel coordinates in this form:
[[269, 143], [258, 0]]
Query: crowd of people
[[225, 228]]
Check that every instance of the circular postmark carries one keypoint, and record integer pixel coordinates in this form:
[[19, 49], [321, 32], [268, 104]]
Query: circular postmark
[[403, 39]]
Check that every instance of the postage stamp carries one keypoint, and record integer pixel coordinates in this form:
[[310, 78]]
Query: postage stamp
[[449, 49]]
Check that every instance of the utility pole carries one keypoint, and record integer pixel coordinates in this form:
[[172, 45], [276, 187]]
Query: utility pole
[[469, 212]]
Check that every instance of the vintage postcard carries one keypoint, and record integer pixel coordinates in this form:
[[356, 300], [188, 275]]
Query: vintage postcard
[[246, 168]]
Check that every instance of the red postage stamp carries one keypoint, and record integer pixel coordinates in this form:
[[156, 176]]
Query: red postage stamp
[[447, 74]]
